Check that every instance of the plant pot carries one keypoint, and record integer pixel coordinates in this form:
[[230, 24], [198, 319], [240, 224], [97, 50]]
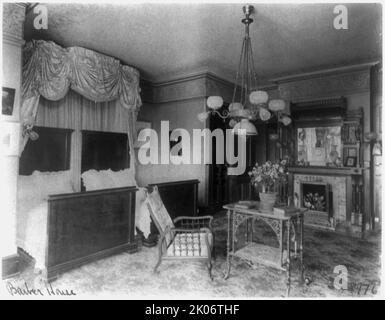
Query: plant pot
[[267, 200]]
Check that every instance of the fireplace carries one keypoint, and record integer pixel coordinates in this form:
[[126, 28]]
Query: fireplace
[[317, 197]]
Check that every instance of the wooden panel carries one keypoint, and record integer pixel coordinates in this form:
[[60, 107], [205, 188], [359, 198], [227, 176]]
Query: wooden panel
[[240, 189], [376, 161], [10, 266], [104, 150], [83, 225], [179, 197], [319, 109], [51, 152]]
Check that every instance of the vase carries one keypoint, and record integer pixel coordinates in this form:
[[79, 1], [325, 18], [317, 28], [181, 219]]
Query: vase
[[333, 155], [267, 200]]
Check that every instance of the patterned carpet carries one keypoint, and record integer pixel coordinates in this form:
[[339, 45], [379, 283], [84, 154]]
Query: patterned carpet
[[131, 276]]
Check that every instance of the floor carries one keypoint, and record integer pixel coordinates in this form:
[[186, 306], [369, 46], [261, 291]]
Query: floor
[[130, 275]]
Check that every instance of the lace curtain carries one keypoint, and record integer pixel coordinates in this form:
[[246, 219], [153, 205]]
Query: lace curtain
[[50, 71]]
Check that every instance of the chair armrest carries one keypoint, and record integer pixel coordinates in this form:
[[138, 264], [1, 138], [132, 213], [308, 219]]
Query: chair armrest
[[186, 230], [194, 222]]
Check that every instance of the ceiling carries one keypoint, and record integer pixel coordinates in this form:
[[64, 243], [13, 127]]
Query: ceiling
[[165, 41]]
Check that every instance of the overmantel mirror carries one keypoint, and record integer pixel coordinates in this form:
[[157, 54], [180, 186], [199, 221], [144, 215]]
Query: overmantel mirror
[[325, 134]]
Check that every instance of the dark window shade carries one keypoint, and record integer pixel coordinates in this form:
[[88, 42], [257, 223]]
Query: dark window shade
[[104, 150], [51, 152]]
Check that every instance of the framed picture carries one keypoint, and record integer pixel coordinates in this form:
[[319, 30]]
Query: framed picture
[[140, 125], [8, 101], [350, 161]]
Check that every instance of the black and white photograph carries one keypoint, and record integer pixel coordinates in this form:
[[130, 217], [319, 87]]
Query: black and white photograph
[[192, 150]]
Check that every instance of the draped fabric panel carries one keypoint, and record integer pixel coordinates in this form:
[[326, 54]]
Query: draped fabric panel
[[104, 116], [64, 113], [50, 71]]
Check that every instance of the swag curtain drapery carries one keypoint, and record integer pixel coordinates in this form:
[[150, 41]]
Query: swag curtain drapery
[[50, 71]]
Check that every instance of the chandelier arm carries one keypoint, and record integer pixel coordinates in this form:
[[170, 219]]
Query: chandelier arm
[[253, 65], [241, 68], [224, 115], [244, 72], [237, 76], [254, 74], [248, 83], [250, 68]]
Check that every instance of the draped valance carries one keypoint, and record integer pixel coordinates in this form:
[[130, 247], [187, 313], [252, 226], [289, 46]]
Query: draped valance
[[50, 71]]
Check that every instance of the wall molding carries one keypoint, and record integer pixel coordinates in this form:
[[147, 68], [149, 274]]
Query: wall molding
[[325, 72]]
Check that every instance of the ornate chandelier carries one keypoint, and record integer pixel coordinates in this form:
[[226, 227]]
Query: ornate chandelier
[[248, 103]]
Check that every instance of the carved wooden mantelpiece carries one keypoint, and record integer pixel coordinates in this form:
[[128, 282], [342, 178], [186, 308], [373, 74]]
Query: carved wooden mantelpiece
[[344, 171]]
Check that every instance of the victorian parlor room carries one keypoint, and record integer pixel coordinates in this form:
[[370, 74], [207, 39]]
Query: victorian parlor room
[[200, 150]]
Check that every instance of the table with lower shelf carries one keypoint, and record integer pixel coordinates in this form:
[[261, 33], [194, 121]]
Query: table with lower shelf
[[288, 228]]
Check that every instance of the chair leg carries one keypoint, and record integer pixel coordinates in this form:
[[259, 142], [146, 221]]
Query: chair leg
[[214, 256], [209, 267], [158, 264]]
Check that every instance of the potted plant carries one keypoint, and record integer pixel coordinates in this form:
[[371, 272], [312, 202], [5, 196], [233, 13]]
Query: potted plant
[[266, 178]]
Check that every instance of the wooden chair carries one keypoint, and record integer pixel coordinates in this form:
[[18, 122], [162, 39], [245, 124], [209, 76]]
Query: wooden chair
[[185, 238]]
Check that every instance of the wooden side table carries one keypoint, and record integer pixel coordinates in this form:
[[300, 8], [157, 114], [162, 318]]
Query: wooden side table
[[287, 227]]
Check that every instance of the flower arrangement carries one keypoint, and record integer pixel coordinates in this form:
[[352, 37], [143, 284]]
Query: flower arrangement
[[268, 175]]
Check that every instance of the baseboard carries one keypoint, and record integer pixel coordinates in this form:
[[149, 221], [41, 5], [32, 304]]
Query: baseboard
[[10, 266]]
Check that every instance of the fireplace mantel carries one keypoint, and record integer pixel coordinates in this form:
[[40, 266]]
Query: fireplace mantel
[[350, 200], [330, 171]]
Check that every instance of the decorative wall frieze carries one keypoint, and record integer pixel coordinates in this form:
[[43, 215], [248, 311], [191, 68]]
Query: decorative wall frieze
[[301, 87], [194, 86], [325, 86], [198, 85], [13, 21], [179, 90], [216, 86]]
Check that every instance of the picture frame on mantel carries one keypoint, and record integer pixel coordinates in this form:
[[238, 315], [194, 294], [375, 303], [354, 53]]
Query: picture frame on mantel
[[351, 161]]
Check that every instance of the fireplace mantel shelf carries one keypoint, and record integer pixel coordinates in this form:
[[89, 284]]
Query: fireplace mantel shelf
[[343, 171]]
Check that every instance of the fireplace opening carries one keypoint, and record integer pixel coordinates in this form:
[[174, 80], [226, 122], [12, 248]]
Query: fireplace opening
[[315, 196]]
